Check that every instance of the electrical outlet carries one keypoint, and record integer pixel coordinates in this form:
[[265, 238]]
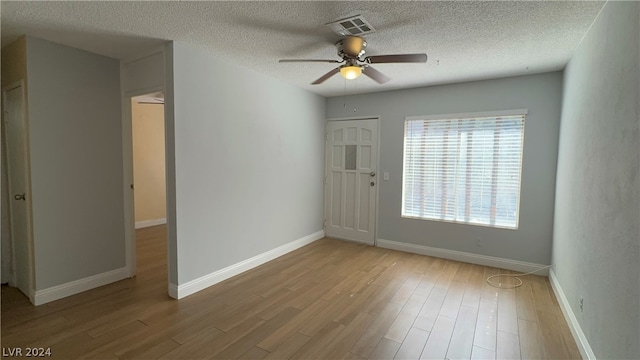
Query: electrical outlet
[[581, 304]]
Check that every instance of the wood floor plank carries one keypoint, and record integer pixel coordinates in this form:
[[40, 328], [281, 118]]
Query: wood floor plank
[[479, 353], [303, 299], [34, 333], [282, 334], [255, 336], [452, 301], [507, 312], [572, 347], [525, 304], [474, 287], [229, 319], [531, 345], [255, 353], [489, 292], [413, 344], [463, 273], [319, 343], [298, 298], [347, 337], [430, 310], [405, 319], [553, 341], [422, 263], [461, 342], [425, 286], [486, 325], [380, 298], [350, 356], [326, 315], [209, 342], [508, 346], [542, 296], [547, 312], [342, 287], [447, 274], [356, 305], [370, 338], [406, 290], [149, 350], [289, 347], [70, 347], [95, 346], [352, 301], [386, 349], [434, 270], [143, 338], [439, 339]]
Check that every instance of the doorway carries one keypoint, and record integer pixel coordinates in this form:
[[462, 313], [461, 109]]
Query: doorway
[[351, 161], [149, 168], [17, 243]]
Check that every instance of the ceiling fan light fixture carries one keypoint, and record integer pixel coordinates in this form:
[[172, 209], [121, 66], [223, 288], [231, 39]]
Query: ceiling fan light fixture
[[350, 72]]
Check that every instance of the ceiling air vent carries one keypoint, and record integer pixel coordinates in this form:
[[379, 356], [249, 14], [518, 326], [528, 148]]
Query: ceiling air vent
[[354, 25]]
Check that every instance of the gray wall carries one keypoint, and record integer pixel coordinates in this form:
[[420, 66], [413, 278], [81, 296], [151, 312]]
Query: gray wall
[[540, 94], [249, 153], [76, 163], [596, 234]]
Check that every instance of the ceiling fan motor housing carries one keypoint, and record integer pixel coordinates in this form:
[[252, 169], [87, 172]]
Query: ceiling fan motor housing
[[351, 47]]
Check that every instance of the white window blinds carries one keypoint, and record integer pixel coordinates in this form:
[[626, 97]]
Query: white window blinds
[[463, 170]]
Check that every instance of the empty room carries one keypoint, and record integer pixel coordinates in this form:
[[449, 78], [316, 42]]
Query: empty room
[[320, 180]]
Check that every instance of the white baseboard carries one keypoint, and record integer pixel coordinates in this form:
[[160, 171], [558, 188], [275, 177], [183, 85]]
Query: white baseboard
[[570, 317], [78, 286], [497, 262], [173, 290], [208, 280], [149, 223]]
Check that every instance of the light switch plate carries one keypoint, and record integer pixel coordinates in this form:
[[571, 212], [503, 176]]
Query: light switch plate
[[385, 176]]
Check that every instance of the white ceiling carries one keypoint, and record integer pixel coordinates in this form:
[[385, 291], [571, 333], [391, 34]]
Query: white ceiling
[[464, 40]]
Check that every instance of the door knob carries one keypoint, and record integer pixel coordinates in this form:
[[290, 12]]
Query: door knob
[[20, 197], [373, 173], [372, 183]]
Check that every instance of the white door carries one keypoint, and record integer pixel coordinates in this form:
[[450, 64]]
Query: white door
[[19, 196], [351, 151]]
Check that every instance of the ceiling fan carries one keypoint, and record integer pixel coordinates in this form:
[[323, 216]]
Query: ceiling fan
[[351, 49]]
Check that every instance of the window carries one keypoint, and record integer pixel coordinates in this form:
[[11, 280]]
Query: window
[[464, 168]]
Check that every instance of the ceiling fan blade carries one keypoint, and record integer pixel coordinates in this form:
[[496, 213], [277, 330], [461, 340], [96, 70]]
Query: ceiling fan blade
[[309, 60], [324, 77], [376, 75], [399, 58]]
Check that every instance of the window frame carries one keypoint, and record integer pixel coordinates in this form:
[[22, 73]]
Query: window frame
[[485, 114]]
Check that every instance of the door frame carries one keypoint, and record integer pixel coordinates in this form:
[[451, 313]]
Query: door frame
[[127, 134], [377, 164], [25, 119]]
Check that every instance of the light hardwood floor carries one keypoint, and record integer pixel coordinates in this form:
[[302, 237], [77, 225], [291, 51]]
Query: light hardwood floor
[[328, 300]]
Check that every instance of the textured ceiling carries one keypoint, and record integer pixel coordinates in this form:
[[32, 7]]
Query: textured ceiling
[[464, 40]]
